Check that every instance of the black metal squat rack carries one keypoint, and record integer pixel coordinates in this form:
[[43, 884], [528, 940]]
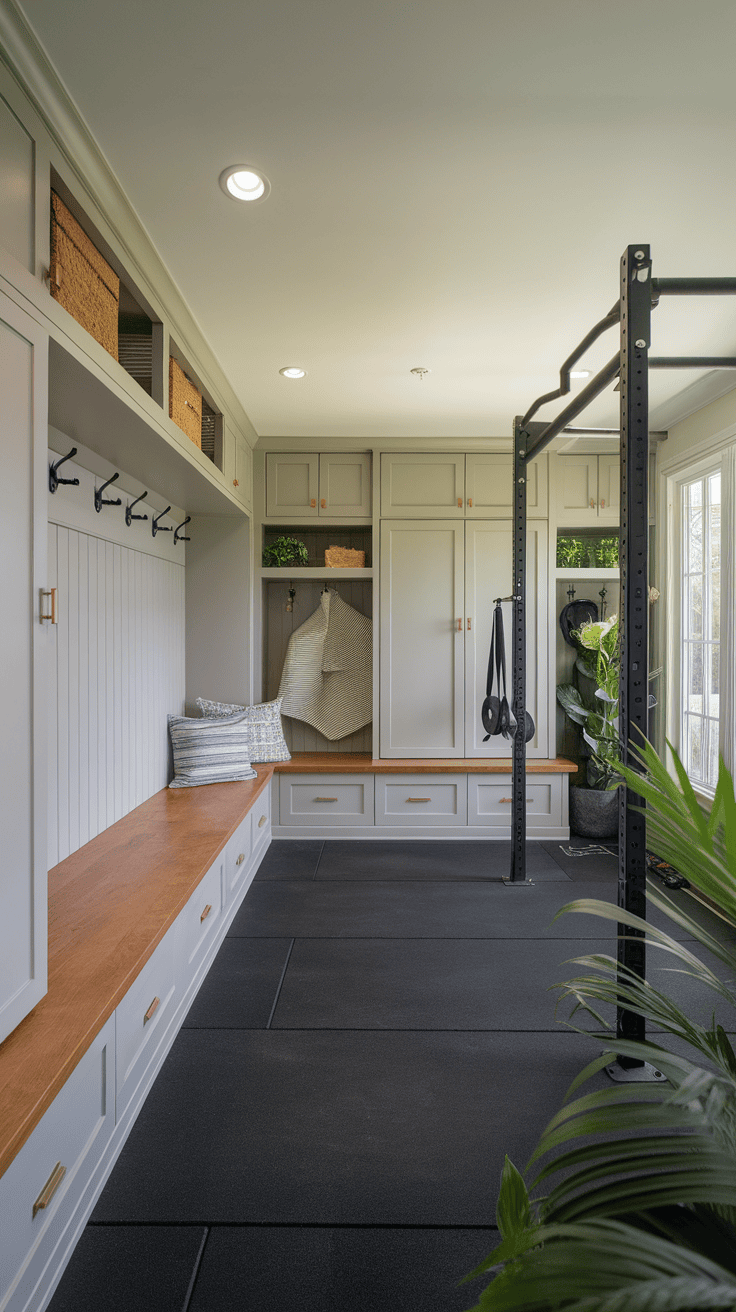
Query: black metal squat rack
[[640, 293]]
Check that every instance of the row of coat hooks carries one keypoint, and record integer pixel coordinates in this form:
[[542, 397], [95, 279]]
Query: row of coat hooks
[[100, 501]]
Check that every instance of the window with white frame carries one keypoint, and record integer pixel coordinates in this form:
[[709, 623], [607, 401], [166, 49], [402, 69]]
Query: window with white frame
[[700, 627]]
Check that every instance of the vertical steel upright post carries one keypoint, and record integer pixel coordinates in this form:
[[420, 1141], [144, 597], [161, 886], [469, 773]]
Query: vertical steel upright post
[[636, 307], [518, 665]]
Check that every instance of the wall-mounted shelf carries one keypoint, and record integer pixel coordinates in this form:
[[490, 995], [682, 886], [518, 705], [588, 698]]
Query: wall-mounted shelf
[[596, 572], [296, 572]]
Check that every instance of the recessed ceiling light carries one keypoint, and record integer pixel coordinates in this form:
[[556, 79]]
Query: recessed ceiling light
[[580, 373], [241, 182], [293, 371]]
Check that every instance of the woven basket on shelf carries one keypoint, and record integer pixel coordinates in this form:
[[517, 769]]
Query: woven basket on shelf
[[81, 280], [185, 403], [344, 558]]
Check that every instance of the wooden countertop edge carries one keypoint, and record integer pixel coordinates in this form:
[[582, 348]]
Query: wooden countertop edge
[[357, 763], [41, 1053]]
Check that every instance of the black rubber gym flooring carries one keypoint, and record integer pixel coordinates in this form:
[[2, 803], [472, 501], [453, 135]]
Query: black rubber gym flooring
[[375, 1034]]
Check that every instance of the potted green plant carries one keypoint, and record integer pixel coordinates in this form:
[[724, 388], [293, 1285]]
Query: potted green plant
[[592, 704], [284, 551], [638, 1212]]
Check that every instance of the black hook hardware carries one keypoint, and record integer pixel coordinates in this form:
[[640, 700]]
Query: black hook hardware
[[180, 537], [54, 479], [100, 501], [155, 523], [128, 509]]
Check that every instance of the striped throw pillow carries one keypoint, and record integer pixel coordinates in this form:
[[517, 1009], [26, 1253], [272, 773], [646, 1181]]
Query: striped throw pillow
[[267, 736], [211, 751]]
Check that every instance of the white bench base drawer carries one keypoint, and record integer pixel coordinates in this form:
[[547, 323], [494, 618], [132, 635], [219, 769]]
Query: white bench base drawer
[[490, 800], [260, 818], [319, 801], [142, 1017], [74, 1132], [434, 800]]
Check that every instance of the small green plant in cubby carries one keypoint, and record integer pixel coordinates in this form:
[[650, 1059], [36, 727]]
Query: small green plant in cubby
[[284, 551]]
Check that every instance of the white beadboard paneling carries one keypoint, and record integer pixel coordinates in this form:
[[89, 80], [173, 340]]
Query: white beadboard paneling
[[279, 624], [119, 670]]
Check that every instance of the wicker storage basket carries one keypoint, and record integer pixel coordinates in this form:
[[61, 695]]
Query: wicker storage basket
[[81, 280], [185, 403], [344, 558]]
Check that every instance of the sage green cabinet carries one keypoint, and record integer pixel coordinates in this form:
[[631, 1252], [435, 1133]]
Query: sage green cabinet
[[478, 485], [334, 485], [588, 490]]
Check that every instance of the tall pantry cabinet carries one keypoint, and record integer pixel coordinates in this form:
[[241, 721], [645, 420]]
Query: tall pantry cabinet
[[23, 657], [439, 578]]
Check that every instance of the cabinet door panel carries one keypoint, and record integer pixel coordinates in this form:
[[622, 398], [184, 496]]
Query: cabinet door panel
[[17, 184], [489, 485], [421, 646], [423, 485], [243, 471], [23, 651], [292, 485], [345, 485], [609, 487], [577, 490], [488, 575]]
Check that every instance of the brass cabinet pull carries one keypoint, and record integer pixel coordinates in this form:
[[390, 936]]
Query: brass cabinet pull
[[236, 483], [240, 859], [530, 801], [262, 821], [592, 503], [205, 913], [459, 626], [49, 592], [49, 1189], [419, 799], [153, 1007], [603, 504], [313, 502], [468, 625], [470, 502], [325, 799], [323, 503], [460, 502]]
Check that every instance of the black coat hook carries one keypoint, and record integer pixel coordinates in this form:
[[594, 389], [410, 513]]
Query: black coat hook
[[54, 479], [100, 501], [155, 523], [128, 509], [179, 537]]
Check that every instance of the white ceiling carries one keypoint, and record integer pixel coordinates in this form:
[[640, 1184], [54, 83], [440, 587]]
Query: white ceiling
[[453, 184]]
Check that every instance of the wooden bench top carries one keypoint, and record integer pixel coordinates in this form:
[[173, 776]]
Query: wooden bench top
[[110, 904], [363, 763]]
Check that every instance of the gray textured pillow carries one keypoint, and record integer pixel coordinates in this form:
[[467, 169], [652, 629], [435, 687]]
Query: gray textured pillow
[[264, 720], [210, 751]]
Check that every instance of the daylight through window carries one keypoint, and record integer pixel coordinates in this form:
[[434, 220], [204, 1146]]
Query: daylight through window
[[700, 628]]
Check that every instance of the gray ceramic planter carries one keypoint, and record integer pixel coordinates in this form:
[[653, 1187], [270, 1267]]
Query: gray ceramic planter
[[593, 814]]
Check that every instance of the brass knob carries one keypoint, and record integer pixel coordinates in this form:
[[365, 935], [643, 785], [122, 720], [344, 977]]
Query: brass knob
[[235, 483]]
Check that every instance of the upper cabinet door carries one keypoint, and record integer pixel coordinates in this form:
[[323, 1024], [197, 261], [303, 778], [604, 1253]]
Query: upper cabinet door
[[23, 660], [609, 487], [243, 481], [423, 486], [577, 490], [16, 188], [489, 485], [345, 485], [292, 486]]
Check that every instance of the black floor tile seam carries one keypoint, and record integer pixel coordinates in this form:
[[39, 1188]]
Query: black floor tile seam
[[197, 1265], [280, 983], [319, 858], [290, 1225]]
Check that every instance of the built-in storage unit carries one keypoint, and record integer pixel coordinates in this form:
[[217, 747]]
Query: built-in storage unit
[[306, 486], [446, 486]]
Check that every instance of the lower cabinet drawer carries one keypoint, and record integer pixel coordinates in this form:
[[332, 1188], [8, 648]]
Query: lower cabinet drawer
[[323, 800], [490, 800], [142, 1016], [421, 799], [44, 1183], [261, 818], [236, 857], [196, 926]]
